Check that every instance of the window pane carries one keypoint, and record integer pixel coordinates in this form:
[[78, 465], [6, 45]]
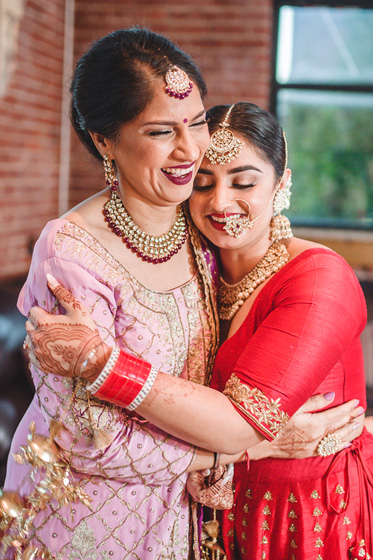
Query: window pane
[[330, 138], [325, 45]]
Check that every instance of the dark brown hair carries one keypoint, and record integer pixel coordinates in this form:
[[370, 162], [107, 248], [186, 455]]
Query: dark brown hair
[[113, 80]]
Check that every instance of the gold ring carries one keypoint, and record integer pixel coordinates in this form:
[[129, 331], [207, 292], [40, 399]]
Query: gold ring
[[328, 445]]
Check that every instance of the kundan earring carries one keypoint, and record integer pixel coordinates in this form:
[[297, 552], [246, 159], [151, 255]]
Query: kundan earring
[[110, 176], [280, 225]]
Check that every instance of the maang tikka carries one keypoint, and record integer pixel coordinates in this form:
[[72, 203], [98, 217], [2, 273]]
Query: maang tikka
[[224, 145], [178, 83]]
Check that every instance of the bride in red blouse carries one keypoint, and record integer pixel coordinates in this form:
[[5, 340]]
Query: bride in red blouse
[[292, 312]]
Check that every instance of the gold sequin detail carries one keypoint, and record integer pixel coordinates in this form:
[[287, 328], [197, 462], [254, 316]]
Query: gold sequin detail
[[248, 494], [230, 532], [246, 508], [348, 536], [346, 520], [319, 543], [267, 511], [264, 411], [315, 495], [264, 540], [292, 514], [265, 526], [293, 544], [339, 489], [292, 528], [343, 504], [244, 522], [264, 556], [267, 496], [317, 528], [230, 516], [243, 535], [319, 557], [316, 512], [292, 499], [243, 550]]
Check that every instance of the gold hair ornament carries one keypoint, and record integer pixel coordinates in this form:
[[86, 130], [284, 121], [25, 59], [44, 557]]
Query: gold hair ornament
[[178, 83], [224, 145]]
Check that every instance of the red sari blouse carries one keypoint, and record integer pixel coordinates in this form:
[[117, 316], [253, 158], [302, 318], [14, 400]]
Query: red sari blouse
[[300, 338]]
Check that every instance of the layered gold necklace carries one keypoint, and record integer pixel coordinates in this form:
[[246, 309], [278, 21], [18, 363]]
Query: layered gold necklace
[[232, 296]]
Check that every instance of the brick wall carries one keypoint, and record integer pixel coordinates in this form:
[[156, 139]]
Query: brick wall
[[230, 41], [29, 141]]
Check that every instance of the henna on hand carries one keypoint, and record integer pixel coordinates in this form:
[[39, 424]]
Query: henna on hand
[[61, 348]]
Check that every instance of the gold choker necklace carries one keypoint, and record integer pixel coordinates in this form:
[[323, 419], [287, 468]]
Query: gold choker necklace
[[232, 296], [150, 248]]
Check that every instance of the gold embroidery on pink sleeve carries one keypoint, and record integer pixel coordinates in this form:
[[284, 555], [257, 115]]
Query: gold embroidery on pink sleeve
[[264, 412]]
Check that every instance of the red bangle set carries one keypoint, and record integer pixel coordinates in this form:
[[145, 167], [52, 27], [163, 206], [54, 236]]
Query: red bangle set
[[125, 381]]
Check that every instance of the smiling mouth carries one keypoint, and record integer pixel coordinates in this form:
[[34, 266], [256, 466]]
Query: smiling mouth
[[178, 171], [222, 220]]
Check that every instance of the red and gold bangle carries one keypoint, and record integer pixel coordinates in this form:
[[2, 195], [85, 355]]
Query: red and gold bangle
[[126, 381]]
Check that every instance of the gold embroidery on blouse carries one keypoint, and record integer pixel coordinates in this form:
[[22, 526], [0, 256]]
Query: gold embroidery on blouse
[[343, 504], [265, 412], [267, 496], [293, 544], [317, 512], [292, 528], [317, 528], [244, 522], [264, 540], [230, 516], [246, 508], [267, 511], [292, 499], [315, 495], [292, 514], [348, 536], [339, 489], [265, 525], [248, 494], [346, 520], [319, 543]]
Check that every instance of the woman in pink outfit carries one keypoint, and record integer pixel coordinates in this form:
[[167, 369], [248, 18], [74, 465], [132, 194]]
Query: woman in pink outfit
[[149, 287]]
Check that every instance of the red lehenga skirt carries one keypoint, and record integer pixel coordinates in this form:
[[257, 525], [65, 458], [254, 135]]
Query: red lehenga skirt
[[303, 510]]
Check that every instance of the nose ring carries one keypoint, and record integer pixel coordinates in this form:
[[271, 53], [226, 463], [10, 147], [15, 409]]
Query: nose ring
[[236, 226]]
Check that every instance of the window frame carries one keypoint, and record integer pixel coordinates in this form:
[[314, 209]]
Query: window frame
[[353, 242]]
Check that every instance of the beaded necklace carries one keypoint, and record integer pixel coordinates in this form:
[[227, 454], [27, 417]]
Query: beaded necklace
[[150, 248]]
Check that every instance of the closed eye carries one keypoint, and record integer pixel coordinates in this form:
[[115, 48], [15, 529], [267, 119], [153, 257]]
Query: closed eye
[[159, 132], [199, 123]]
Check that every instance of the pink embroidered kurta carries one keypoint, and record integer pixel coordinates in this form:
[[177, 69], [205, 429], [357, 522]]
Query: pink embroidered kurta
[[139, 509]]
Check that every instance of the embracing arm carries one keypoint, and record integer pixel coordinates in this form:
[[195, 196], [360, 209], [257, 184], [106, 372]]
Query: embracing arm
[[190, 411]]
